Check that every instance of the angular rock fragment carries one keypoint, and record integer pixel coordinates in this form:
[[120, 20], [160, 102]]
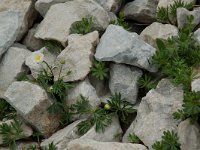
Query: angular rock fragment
[[110, 5], [123, 80], [31, 102], [121, 46]]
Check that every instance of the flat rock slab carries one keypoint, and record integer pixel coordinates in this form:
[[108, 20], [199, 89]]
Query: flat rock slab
[[120, 46], [26, 10], [86, 144], [9, 29], [52, 28], [141, 10], [31, 102], [154, 115], [11, 65], [158, 30], [124, 80], [78, 57]]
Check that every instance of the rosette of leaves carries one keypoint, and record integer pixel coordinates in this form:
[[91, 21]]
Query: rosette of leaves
[[99, 70]]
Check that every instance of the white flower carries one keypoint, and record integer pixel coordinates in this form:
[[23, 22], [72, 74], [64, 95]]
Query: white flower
[[38, 57]]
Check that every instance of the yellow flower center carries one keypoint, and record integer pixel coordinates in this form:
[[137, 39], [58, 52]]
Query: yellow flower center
[[107, 107], [38, 57]]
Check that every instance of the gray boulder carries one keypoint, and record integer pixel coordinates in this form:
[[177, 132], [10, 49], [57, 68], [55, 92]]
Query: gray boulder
[[183, 13], [141, 10], [195, 85], [121, 46], [197, 35], [9, 29], [110, 5], [86, 144], [77, 56], [52, 28], [31, 102], [158, 30], [26, 11], [62, 137], [154, 115], [11, 65], [31, 42], [124, 79], [189, 135]]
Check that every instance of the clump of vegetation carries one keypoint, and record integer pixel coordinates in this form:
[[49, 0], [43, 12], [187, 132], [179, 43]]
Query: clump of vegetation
[[6, 110], [51, 146], [121, 22], [168, 14], [82, 27], [134, 138], [99, 70], [11, 133], [53, 46], [169, 142]]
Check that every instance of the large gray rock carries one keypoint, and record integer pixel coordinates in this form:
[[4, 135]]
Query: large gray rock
[[158, 30], [26, 10], [183, 13], [62, 137], [141, 10], [86, 144], [189, 135], [77, 57], [31, 42], [9, 29], [197, 35], [167, 3], [37, 65], [121, 46], [32, 102], [11, 65], [110, 5], [85, 89], [124, 79], [154, 115], [42, 6], [112, 133], [52, 28], [26, 130]]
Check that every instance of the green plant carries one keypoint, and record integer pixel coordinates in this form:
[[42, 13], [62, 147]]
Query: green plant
[[99, 70], [168, 14], [6, 111], [147, 82], [96, 116], [121, 22], [32, 147], [22, 77], [51, 146], [133, 138], [53, 46], [120, 106], [169, 142], [82, 27], [11, 133]]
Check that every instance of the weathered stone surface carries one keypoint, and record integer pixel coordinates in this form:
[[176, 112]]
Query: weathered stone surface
[[77, 56], [158, 30], [86, 144], [197, 35], [196, 85], [42, 6], [62, 137], [85, 89], [36, 66], [189, 135], [110, 5], [183, 13], [31, 42], [154, 115], [9, 29], [167, 3], [121, 46], [52, 28], [22, 145], [141, 10], [112, 133], [11, 65], [27, 131], [26, 10], [124, 79], [31, 102]]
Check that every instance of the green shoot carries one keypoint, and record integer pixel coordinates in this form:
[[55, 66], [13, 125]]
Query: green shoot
[[134, 139], [99, 70], [53, 46]]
